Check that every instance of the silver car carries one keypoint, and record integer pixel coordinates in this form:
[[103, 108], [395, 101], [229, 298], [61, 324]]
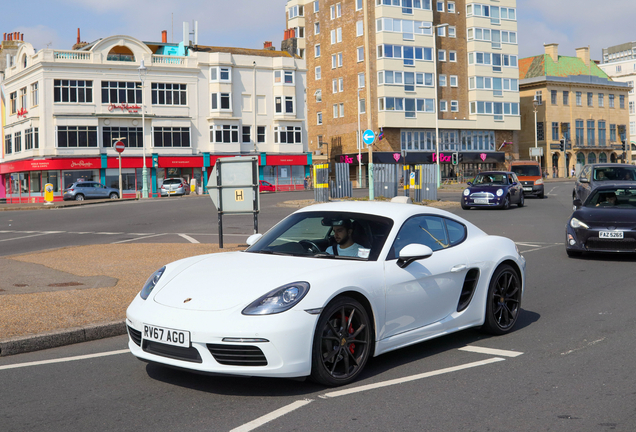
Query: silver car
[[79, 191], [175, 186]]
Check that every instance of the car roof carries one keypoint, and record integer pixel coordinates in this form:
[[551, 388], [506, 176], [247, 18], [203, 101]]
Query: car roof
[[613, 165]]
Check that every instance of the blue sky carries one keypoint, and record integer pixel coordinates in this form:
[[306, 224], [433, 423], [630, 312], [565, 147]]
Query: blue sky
[[248, 23]]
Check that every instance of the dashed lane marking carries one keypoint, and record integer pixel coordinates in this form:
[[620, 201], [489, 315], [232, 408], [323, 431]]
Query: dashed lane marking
[[23, 237], [188, 238], [491, 351], [272, 416], [63, 360]]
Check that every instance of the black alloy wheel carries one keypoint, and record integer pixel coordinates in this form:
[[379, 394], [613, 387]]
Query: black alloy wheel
[[521, 200], [503, 302], [342, 343]]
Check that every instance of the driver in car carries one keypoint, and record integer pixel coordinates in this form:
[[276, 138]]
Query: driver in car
[[345, 246]]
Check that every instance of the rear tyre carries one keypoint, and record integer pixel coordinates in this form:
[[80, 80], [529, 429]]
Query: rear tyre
[[503, 303], [521, 201], [113, 196], [342, 343], [79, 197]]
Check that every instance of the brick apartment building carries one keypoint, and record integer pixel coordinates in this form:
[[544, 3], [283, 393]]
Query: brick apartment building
[[373, 63], [576, 98]]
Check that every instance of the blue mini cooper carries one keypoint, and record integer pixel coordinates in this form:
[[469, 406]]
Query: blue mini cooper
[[497, 189]]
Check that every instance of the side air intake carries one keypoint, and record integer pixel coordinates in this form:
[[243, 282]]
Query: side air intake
[[468, 290]]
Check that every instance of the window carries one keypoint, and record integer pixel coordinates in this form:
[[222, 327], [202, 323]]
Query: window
[[566, 97], [580, 137], [579, 102], [222, 134], [621, 101], [31, 139], [334, 61], [433, 231], [221, 101], [442, 80], [602, 138], [360, 52], [555, 131], [540, 131], [318, 73], [287, 135], [168, 94], [590, 99], [247, 134], [440, 6], [284, 77], [361, 80], [453, 80], [590, 132], [611, 101], [601, 100], [358, 5], [340, 85], [319, 118], [221, 74], [23, 98], [77, 91], [452, 56], [363, 106], [553, 97], [333, 37], [17, 142], [335, 110], [443, 106], [338, 10], [316, 6], [316, 28], [77, 136], [260, 134], [339, 57], [613, 133], [296, 11], [341, 107], [8, 148], [441, 55], [538, 95], [35, 94], [317, 50], [451, 7], [452, 32], [334, 85], [131, 136], [631, 107], [454, 106], [289, 105], [359, 28]]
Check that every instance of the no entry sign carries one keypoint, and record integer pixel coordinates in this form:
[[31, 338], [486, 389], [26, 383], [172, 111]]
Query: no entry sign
[[120, 146]]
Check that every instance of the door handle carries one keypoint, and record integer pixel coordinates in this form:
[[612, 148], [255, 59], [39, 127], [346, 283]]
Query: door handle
[[458, 268]]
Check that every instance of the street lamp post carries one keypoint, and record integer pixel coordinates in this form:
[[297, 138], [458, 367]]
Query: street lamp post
[[434, 28], [359, 143], [535, 104], [143, 71]]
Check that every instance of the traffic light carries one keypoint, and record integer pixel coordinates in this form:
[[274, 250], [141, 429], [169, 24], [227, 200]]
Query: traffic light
[[455, 158], [562, 145], [624, 146], [460, 157]]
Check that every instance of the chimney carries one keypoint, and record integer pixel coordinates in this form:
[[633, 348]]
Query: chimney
[[267, 45], [78, 35], [164, 36], [5, 37], [553, 51], [584, 55], [22, 37]]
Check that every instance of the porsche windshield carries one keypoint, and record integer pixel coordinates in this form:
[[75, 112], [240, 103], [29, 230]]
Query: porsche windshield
[[327, 235], [613, 198]]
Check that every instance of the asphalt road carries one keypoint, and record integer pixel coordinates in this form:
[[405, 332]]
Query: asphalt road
[[575, 372]]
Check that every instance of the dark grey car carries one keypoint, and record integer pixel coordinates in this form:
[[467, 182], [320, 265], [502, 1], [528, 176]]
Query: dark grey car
[[594, 175], [80, 191]]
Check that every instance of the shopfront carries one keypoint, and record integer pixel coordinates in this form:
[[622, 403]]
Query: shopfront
[[285, 172]]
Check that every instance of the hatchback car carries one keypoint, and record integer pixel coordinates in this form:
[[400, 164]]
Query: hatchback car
[[265, 186], [175, 186], [594, 175], [79, 191], [494, 189], [604, 222]]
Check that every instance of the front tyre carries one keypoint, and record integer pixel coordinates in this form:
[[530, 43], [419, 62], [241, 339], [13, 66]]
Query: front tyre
[[79, 197], [342, 343], [503, 303], [113, 196], [522, 201], [505, 205]]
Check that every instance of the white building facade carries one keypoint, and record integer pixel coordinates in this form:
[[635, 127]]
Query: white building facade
[[621, 67], [65, 109]]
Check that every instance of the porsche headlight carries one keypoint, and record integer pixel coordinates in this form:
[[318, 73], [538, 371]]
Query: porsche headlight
[[499, 192], [466, 192], [151, 283], [538, 182], [278, 300], [575, 223]]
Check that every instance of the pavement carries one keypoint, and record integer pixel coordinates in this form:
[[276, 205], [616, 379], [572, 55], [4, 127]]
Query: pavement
[[76, 294]]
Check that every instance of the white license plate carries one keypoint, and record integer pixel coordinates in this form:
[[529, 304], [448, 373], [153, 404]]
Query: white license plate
[[527, 189], [167, 336], [481, 201], [611, 234]]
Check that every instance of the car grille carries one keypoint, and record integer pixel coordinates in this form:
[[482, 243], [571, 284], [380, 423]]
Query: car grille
[[625, 245], [527, 183], [178, 353], [482, 195], [237, 355], [134, 335]]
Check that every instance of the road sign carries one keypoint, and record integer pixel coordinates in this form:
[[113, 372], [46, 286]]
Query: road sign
[[368, 137], [120, 146]]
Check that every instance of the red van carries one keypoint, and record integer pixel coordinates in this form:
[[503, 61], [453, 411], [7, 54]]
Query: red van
[[529, 174]]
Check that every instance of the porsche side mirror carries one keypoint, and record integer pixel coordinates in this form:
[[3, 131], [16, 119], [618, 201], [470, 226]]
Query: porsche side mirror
[[577, 203], [413, 252], [253, 239]]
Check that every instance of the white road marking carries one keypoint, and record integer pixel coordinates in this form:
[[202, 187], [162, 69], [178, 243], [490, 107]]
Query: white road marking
[[63, 360], [23, 237], [586, 346], [410, 378], [140, 238], [271, 416], [188, 238], [109, 233], [490, 351]]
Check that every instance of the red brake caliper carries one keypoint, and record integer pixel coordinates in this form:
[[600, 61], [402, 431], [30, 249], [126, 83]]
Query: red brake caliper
[[352, 346]]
